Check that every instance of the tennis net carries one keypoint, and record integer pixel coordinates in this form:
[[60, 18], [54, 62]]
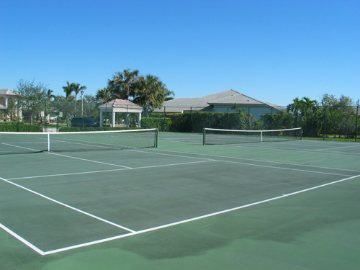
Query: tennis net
[[32, 142], [230, 136]]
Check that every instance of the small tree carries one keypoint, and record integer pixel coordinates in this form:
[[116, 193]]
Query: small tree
[[306, 114], [48, 99], [339, 115], [32, 98]]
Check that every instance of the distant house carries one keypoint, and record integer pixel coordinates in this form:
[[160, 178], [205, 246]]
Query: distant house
[[5, 94], [225, 101]]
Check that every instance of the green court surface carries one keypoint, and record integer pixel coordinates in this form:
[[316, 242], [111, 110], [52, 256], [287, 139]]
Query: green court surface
[[270, 205]]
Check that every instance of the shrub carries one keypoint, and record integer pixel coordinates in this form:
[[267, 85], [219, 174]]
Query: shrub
[[162, 124], [19, 127]]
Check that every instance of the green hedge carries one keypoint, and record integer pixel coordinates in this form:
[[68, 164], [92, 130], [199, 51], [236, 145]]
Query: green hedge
[[74, 129], [162, 124], [19, 127], [197, 121]]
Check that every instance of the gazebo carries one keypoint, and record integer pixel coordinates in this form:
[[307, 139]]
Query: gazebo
[[119, 106]]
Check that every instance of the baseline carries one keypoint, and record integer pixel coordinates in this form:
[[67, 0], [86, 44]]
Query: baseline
[[66, 205], [200, 217], [22, 240], [259, 160]]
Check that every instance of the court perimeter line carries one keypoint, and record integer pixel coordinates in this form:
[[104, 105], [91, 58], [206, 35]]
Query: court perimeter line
[[66, 205], [299, 150], [281, 168], [22, 240], [90, 160], [259, 160], [112, 170], [336, 147], [199, 217], [166, 154]]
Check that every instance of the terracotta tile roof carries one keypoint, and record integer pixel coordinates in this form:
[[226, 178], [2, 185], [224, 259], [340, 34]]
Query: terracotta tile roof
[[227, 97], [120, 103]]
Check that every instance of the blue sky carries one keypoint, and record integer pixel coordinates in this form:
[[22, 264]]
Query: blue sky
[[273, 50]]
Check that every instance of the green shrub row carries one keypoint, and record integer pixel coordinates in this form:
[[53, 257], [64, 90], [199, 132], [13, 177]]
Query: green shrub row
[[19, 127], [75, 129], [162, 124], [197, 121]]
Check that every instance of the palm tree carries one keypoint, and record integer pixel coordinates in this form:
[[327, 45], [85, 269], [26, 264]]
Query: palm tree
[[124, 84], [152, 93], [75, 88], [130, 79], [68, 89], [104, 95]]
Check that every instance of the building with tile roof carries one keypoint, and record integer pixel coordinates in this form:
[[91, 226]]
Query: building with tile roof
[[225, 101], [5, 94]]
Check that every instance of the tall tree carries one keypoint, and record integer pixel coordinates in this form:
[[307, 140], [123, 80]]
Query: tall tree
[[151, 93], [75, 88], [124, 84], [68, 89], [104, 95]]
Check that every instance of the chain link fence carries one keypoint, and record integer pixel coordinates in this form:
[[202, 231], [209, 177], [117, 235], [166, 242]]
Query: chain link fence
[[326, 122]]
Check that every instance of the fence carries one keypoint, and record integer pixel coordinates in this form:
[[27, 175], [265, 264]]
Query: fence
[[327, 122]]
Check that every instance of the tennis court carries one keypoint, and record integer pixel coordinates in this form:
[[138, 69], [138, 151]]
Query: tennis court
[[275, 205]]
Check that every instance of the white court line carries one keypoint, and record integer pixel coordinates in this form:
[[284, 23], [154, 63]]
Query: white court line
[[22, 240], [296, 149], [337, 147], [177, 164], [265, 161], [112, 170], [166, 154], [281, 168], [199, 217], [66, 205], [90, 160], [22, 147]]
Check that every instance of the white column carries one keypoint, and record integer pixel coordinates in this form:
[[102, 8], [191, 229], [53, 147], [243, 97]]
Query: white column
[[101, 118], [113, 119], [139, 119]]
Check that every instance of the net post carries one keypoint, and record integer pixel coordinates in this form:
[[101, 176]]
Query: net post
[[261, 136], [156, 138], [48, 142], [356, 120], [204, 135]]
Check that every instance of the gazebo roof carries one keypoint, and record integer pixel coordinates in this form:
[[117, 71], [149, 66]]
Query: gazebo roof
[[120, 103]]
